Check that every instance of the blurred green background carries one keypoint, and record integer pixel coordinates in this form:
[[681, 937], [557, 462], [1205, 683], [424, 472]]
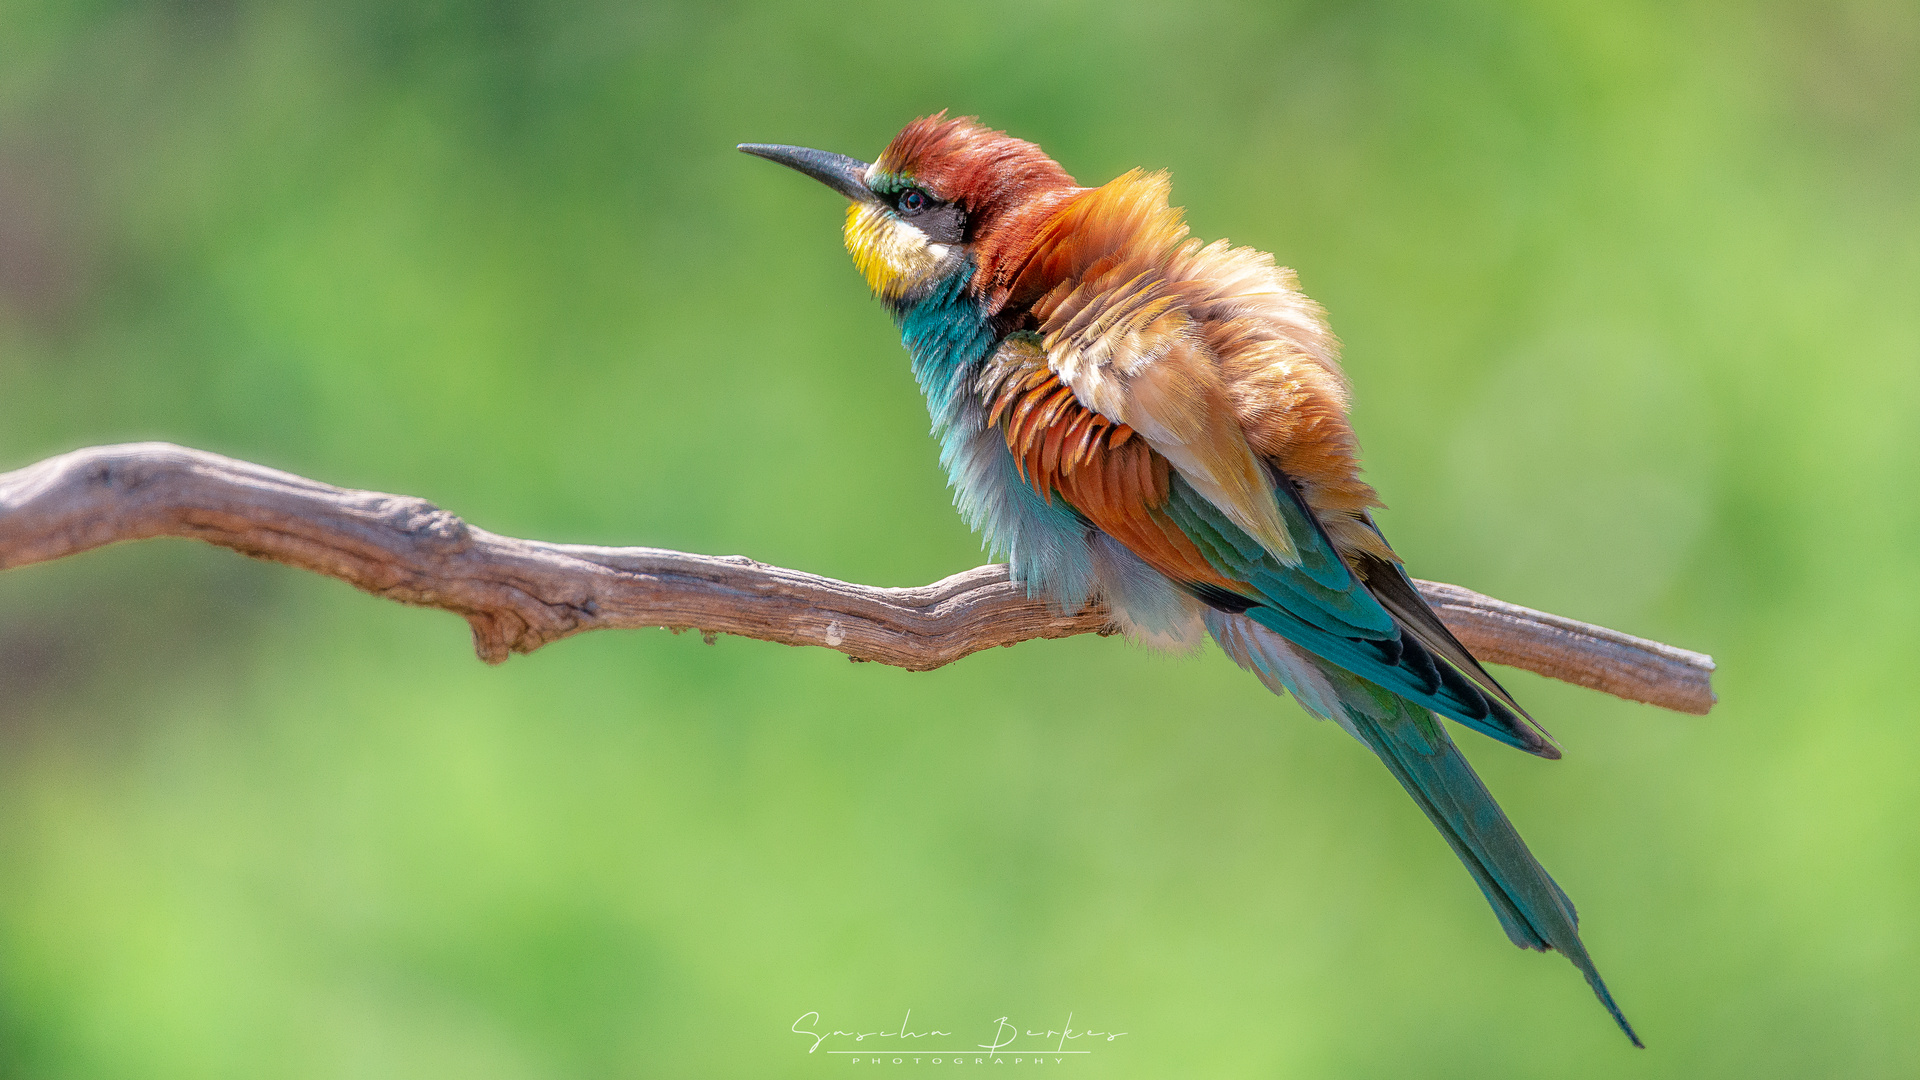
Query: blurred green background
[[1629, 293]]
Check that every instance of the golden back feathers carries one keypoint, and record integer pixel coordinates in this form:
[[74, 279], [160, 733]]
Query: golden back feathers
[[1210, 352]]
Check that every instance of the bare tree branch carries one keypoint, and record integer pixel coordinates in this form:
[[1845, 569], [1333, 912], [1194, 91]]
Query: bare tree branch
[[521, 594]]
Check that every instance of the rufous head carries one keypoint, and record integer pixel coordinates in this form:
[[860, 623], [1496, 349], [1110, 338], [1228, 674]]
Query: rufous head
[[943, 194]]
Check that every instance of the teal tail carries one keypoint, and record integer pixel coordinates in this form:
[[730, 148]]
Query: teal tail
[[1416, 748]]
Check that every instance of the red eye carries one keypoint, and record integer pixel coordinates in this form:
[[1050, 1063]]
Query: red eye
[[912, 201]]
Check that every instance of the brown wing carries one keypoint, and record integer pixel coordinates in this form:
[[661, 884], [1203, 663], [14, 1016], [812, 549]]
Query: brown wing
[[1099, 467], [1120, 484], [1120, 334]]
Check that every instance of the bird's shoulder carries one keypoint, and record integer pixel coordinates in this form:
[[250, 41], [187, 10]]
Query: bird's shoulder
[[1179, 339]]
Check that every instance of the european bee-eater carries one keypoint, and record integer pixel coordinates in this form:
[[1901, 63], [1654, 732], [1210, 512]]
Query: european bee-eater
[[1132, 416]]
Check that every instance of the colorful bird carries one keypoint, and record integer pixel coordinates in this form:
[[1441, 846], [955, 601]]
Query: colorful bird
[[1131, 415]]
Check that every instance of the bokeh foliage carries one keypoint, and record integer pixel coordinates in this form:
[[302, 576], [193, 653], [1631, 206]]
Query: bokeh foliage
[[1629, 297]]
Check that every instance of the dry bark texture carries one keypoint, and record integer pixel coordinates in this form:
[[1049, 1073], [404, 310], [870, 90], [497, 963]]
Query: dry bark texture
[[521, 594]]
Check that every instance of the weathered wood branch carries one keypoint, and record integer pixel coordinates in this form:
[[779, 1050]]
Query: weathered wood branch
[[521, 594]]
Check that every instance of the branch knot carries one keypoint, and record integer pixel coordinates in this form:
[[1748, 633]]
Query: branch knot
[[440, 531]]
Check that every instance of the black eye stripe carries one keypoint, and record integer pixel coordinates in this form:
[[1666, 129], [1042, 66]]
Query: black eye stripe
[[942, 222]]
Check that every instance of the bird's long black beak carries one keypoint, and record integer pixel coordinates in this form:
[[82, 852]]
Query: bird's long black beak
[[846, 175]]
